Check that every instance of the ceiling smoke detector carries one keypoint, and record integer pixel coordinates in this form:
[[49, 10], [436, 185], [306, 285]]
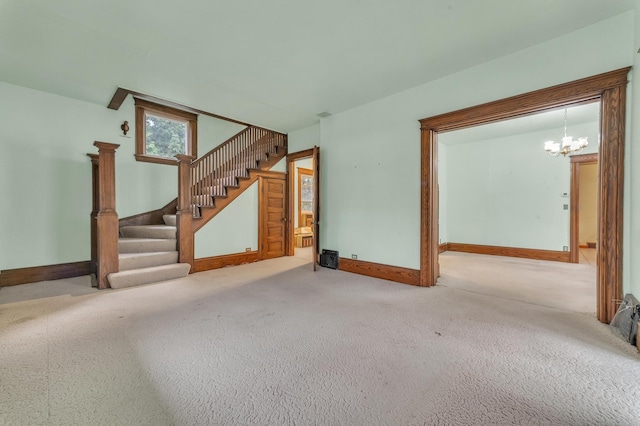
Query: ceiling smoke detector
[[324, 114]]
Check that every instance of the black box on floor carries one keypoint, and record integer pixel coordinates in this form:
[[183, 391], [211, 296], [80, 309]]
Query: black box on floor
[[329, 259]]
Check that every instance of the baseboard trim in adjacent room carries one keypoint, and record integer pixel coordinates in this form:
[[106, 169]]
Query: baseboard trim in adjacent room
[[10, 277], [443, 247], [556, 256], [217, 262], [377, 270]]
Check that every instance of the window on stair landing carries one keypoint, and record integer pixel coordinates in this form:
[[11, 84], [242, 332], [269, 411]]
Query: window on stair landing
[[162, 132]]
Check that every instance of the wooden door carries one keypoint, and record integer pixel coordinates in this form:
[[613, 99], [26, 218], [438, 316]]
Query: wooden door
[[316, 206], [271, 229]]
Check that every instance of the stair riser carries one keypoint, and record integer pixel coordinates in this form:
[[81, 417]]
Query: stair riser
[[146, 246], [148, 275], [128, 263], [161, 232]]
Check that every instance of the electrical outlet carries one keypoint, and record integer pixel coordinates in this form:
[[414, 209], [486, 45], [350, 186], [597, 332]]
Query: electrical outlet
[[565, 207], [247, 249], [565, 248], [354, 256]]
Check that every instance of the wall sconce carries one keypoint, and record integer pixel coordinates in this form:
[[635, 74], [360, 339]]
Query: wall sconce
[[125, 127]]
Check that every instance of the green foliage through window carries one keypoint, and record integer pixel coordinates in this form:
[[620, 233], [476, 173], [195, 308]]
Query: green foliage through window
[[165, 137]]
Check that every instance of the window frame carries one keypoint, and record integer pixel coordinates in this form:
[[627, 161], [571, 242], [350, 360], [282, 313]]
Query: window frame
[[142, 108]]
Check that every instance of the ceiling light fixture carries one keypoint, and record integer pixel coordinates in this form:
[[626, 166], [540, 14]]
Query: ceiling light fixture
[[324, 114], [568, 144]]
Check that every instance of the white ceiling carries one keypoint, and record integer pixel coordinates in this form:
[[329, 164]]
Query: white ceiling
[[272, 63]]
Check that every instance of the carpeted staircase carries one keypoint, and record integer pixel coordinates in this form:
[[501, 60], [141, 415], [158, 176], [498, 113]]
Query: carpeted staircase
[[148, 253]]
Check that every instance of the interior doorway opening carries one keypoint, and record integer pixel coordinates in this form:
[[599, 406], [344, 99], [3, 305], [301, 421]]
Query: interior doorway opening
[[610, 89], [303, 171]]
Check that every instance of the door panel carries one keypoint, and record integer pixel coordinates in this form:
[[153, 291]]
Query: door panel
[[272, 217]]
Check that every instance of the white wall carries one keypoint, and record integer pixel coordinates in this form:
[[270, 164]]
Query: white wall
[[507, 191], [306, 138], [45, 175], [371, 154], [443, 191], [631, 265], [233, 230]]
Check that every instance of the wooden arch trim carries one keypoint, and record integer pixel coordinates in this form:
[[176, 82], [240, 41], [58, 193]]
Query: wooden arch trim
[[608, 88]]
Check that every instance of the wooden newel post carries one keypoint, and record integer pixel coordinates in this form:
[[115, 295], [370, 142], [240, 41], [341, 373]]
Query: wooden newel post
[[93, 217], [107, 217], [184, 215]]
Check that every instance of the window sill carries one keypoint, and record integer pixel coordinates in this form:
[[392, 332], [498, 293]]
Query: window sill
[[157, 160]]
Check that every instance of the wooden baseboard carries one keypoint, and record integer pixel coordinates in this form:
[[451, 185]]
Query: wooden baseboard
[[443, 247], [217, 262], [377, 270], [557, 256], [10, 277]]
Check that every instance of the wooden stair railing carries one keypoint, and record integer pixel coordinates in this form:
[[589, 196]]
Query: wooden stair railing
[[216, 174], [104, 218]]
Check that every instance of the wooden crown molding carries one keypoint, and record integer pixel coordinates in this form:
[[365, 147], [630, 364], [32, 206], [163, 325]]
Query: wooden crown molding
[[578, 91], [121, 94]]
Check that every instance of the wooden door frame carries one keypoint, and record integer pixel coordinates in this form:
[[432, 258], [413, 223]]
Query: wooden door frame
[[608, 88], [261, 208], [291, 175], [574, 201]]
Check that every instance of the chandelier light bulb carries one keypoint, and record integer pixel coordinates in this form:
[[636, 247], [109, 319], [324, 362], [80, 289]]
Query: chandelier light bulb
[[568, 144]]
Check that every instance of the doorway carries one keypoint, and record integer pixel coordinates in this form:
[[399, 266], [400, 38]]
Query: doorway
[[303, 171], [584, 208], [610, 89]]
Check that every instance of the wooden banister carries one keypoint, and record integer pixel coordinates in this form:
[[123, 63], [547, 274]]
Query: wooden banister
[[95, 207], [106, 217], [220, 167], [201, 180], [184, 214]]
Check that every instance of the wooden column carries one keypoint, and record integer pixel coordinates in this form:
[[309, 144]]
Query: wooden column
[[107, 217], [610, 202], [429, 268], [184, 215], [93, 217]]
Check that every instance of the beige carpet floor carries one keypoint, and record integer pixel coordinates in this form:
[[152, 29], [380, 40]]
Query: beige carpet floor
[[500, 341]]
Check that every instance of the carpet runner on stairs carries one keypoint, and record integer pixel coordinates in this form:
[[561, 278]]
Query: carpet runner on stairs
[[148, 254]]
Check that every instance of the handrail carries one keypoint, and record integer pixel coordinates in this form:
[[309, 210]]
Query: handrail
[[220, 167], [201, 181]]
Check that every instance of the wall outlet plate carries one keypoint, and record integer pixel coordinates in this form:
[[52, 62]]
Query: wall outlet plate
[[247, 249], [565, 248], [354, 256]]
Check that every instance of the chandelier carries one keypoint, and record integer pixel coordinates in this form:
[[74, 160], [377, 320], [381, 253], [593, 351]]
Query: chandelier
[[568, 144]]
